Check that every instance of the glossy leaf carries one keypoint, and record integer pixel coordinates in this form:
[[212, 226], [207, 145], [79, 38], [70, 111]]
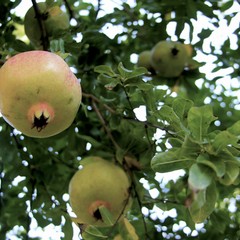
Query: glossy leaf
[[200, 177], [106, 215], [200, 212], [232, 172], [217, 164], [199, 120], [181, 107], [128, 74], [104, 69], [169, 161], [91, 233], [222, 140]]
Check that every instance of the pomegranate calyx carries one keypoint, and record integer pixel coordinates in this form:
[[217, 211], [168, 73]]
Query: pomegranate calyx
[[97, 215], [40, 121]]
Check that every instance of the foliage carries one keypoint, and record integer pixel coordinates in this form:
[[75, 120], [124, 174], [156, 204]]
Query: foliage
[[190, 123]]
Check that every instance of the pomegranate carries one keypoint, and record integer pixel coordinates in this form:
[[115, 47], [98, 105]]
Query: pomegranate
[[99, 183], [39, 94]]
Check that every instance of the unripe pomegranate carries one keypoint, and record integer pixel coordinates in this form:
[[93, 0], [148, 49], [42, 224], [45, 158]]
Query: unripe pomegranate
[[169, 58], [39, 94], [53, 19], [99, 183], [144, 59]]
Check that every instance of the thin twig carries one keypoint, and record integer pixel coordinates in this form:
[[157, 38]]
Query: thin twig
[[31, 199], [121, 213], [88, 95], [140, 207], [107, 130], [113, 111], [98, 7], [128, 98], [44, 36], [69, 9]]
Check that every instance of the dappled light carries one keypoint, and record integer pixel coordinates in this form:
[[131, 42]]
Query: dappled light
[[146, 144]]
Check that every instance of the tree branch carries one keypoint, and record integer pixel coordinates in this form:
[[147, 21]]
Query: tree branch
[[44, 36], [128, 98], [98, 7], [140, 207], [113, 111], [102, 120], [87, 95], [69, 9]]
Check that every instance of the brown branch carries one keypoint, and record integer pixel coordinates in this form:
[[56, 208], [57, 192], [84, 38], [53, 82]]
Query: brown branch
[[128, 98], [121, 213], [87, 95], [98, 7], [104, 124], [69, 9], [113, 111], [140, 207], [44, 36]]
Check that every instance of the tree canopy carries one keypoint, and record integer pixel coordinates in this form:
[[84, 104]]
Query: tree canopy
[[178, 137]]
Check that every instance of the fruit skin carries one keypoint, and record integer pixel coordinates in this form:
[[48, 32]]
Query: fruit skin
[[144, 59], [189, 50], [37, 84], [54, 20], [57, 20], [169, 58], [99, 182]]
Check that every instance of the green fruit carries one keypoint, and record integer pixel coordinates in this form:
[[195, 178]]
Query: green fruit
[[144, 59], [189, 50], [39, 95], [99, 183], [169, 58], [57, 20], [53, 18]]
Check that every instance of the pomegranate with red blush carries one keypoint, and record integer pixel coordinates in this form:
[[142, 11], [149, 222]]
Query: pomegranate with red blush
[[39, 94]]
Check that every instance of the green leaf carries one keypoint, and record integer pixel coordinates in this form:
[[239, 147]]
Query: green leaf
[[217, 164], [124, 72], [181, 107], [175, 142], [108, 81], [205, 9], [112, 84], [228, 4], [93, 233], [106, 215], [57, 46], [89, 139], [128, 74], [220, 220], [222, 140], [68, 229], [142, 86], [199, 120], [200, 177], [190, 148], [104, 69], [191, 9], [232, 172], [127, 230], [235, 129], [199, 211], [166, 113], [169, 161]]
